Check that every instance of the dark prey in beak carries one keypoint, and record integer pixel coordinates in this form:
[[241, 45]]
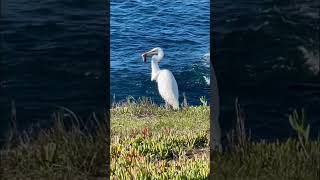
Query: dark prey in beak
[[144, 57]]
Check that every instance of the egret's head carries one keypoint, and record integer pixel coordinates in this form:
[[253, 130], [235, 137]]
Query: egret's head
[[156, 52]]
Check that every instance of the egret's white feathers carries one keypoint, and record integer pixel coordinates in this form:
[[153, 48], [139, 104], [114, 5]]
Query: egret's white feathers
[[167, 84], [168, 88]]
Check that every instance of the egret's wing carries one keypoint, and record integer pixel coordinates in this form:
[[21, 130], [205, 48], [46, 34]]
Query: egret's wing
[[168, 88]]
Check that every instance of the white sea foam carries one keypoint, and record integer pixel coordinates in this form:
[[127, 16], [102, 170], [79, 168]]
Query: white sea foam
[[312, 59], [206, 58], [207, 79]]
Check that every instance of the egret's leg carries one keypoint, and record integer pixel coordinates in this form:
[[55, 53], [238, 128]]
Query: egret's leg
[[167, 106]]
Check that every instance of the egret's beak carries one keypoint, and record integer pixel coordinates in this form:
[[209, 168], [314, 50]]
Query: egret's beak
[[144, 55]]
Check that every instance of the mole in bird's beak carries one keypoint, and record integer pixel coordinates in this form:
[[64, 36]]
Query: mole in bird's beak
[[144, 57]]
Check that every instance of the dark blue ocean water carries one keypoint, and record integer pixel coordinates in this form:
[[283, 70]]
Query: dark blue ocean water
[[51, 55], [267, 55], [181, 28]]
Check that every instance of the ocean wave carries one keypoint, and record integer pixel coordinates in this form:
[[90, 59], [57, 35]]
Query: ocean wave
[[206, 58], [312, 59]]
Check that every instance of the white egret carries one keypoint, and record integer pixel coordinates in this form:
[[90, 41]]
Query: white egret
[[167, 84]]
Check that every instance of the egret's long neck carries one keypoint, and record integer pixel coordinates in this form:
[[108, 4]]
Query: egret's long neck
[[154, 64], [154, 69]]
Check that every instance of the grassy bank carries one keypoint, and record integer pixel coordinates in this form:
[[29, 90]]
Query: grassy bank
[[295, 158], [151, 141], [265, 161], [59, 152]]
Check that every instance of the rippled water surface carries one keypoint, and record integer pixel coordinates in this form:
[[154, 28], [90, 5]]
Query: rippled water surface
[[51, 55], [267, 54], [181, 28]]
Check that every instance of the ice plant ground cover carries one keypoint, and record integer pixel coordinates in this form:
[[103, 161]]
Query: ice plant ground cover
[[152, 142]]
